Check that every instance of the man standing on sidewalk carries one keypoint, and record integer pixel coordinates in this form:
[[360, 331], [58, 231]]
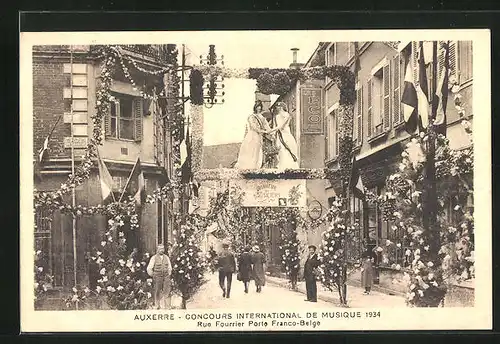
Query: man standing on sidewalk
[[310, 265], [227, 266], [160, 269]]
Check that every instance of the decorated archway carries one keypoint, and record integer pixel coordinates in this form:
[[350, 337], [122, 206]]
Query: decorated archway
[[111, 255]]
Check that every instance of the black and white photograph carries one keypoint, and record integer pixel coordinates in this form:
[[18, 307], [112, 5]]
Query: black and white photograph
[[255, 180]]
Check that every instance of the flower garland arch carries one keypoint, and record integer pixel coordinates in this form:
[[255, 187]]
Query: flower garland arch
[[278, 81]]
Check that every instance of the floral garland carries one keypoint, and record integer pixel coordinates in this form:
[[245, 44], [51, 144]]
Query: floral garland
[[333, 268], [188, 264], [228, 174], [427, 275], [290, 257], [280, 81]]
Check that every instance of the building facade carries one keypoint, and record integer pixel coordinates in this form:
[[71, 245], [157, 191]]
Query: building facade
[[65, 82], [379, 135]]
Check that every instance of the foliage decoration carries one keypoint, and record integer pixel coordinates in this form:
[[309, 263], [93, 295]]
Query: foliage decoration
[[290, 257], [196, 87], [43, 280], [281, 80], [300, 173], [429, 274], [334, 267], [188, 263]]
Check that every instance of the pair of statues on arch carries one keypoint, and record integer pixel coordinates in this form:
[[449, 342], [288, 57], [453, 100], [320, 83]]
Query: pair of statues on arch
[[268, 142]]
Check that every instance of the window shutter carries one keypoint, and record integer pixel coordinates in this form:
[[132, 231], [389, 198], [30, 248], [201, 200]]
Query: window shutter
[[396, 87], [336, 121], [414, 59], [370, 109], [107, 123], [386, 119], [359, 105], [138, 119], [454, 60]]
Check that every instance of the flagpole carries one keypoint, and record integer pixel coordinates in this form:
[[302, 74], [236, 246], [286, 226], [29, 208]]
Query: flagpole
[[429, 218], [73, 193]]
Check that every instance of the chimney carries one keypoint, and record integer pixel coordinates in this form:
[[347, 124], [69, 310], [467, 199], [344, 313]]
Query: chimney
[[294, 54], [294, 63]]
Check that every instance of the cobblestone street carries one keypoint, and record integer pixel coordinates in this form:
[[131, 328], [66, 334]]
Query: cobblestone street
[[275, 295]]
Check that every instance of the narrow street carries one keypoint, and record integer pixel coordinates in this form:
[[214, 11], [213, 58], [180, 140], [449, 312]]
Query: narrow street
[[272, 297]]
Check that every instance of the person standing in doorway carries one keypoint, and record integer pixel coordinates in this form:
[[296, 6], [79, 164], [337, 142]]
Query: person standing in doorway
[[160, 269], [227, 266], [310, 266], [259, 268], [245, 267], [367, 272]]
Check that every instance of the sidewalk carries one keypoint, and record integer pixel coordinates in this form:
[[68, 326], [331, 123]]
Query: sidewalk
[[355, 296]]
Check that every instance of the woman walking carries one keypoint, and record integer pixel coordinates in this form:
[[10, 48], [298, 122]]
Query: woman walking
[[258, 262], [245, 267]]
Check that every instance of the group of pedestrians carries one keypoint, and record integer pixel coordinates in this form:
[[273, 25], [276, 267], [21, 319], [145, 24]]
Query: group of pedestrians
[[249, 265]]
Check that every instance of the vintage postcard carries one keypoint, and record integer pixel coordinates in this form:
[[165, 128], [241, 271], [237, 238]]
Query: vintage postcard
[[255, 180]]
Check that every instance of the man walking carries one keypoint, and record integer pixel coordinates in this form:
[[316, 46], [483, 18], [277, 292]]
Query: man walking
[[160, 269], [227, 266], [310, 265]]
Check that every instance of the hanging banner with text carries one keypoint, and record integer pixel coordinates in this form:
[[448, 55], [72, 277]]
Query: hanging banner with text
[[311, 100], [270, 193]]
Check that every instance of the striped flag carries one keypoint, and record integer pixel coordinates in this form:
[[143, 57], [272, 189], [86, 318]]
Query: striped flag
[[42, 152], [136, 184], [409, 101], [356, 183], [422, 89], [441, 99], [186, 159], [184, 146], [105, 179]]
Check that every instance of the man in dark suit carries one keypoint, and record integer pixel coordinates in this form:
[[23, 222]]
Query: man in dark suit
[[310, 265], [227, 266]]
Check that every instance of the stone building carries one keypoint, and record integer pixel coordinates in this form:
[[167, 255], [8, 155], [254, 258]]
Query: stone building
[[130, 132]]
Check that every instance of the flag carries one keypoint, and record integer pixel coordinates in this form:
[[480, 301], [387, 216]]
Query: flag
[[136, 185], [441, 98], [409, 101], [183, 147], [186, 176], [105, 179], [357, 62], [42, 152], [422, 89], [356, 183]]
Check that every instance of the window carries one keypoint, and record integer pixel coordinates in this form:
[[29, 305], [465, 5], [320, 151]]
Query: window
[[124, 120], [465, 61], [330, 55], [331, 58], [332, 147], [356, 246], [43, 239], [379, 99]]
